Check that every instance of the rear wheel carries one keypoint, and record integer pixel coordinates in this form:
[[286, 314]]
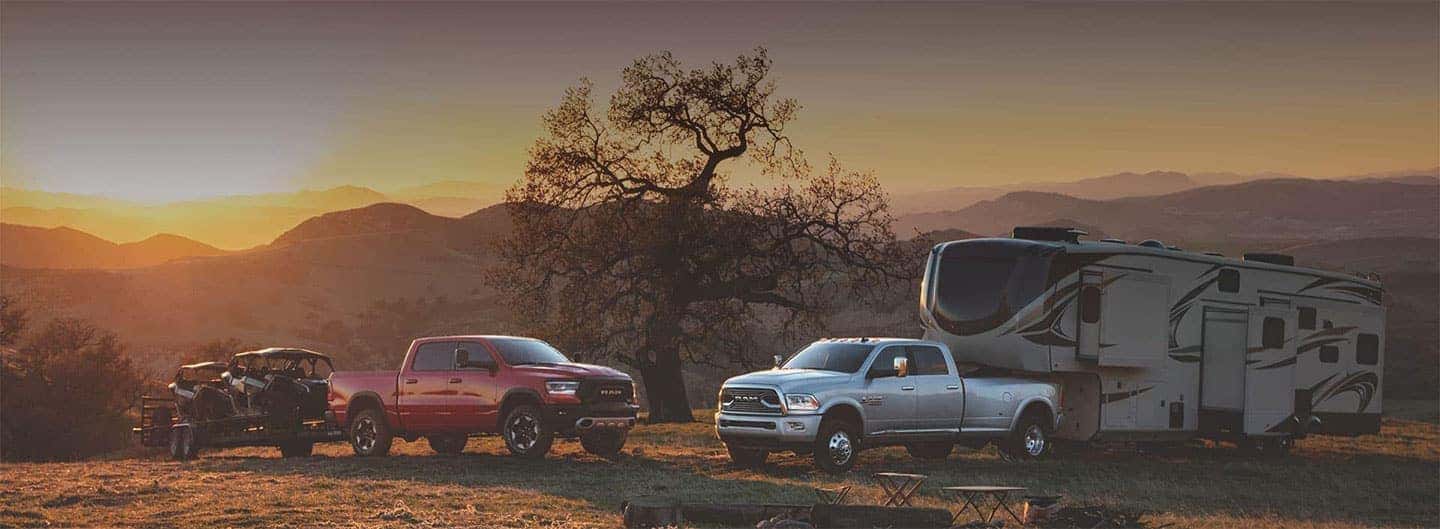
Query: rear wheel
[[837, 446], [525, 433], [369, 434], [296, 449], [449, 444], [747, 457], [932, 451], [1030, 440], [604, 443]]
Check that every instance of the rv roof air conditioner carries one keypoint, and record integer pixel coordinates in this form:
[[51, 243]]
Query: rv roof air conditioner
[[1048, 233], [1272, 258], [1152, 243]]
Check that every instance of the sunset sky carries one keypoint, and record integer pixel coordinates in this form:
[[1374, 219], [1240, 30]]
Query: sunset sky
[[160, 101]]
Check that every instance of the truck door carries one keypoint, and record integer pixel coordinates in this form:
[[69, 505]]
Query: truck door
[[939, 402], [424, 399], [1087, 332], [476, 403], [1270, 368], [889, 399]]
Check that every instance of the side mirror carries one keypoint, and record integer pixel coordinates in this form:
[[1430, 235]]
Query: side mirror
[[902, 366], [779, 360]]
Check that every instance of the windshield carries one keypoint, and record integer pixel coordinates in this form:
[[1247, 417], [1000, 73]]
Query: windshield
[[518, 351], [831, 356], [979, 286]]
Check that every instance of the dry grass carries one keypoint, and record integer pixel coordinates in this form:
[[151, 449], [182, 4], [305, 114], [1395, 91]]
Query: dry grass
[[1386, 480]]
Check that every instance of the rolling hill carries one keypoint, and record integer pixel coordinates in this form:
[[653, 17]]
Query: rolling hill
[[32, 247]]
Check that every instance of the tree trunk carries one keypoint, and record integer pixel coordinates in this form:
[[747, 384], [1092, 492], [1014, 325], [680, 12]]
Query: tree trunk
[[665, 388]]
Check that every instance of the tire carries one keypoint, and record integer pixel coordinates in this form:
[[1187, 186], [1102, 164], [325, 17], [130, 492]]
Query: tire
[[369, 435], [183, 445], [747, 457], [1029, 441], [448, 444], [606, 444], [296, 449], [525, 433], [837, 446], [930, 451]]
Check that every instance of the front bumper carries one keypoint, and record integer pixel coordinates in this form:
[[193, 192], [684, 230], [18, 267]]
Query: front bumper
[[767, 431], [562, 418]]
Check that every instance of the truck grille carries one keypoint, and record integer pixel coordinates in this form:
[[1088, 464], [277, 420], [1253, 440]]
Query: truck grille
[[605, 391], [754, 401]]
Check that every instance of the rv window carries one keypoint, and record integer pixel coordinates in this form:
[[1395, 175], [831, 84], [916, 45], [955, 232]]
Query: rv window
[[1367, 350], [1229, 280], [1329, 354], [1273, 336], [928, 361], [1307, 317], [1090, 304], [976, 291]]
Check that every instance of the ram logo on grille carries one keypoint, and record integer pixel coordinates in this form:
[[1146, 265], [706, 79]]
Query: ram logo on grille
[[611, 392]]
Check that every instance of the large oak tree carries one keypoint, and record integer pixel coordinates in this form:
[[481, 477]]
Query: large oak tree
[[634, 238]]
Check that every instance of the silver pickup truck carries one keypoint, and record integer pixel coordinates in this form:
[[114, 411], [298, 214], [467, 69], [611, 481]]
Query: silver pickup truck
[[837, 396]]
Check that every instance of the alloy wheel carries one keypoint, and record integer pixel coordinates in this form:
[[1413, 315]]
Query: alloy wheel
[[365, 434], [523, 431]]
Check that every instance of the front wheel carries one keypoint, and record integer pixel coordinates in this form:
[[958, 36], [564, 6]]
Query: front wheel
[[837, 446], [606, 443], [1030, 440], [525, 433], [369, 434]]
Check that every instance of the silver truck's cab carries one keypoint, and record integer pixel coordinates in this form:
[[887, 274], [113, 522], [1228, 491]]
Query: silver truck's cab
[[835, 396]]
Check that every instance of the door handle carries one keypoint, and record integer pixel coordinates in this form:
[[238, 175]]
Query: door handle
[[455, 381], [411, 381], [952, 387], [907, 388]]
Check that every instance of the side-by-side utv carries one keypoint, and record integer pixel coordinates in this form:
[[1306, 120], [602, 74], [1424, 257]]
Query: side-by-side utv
[[270, 397]]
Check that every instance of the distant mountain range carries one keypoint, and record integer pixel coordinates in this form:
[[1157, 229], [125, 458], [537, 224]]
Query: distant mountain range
[[235, 222], [1121, 185], [1264, 210], [31, 247]]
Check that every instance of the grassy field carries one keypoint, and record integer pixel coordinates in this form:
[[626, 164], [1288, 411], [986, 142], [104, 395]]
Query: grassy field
[[1386, 480]]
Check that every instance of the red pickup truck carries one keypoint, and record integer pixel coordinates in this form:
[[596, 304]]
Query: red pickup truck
[[452, 387]]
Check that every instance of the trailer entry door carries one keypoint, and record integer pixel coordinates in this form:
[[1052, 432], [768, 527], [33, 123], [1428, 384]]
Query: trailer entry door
[[1222, 360]]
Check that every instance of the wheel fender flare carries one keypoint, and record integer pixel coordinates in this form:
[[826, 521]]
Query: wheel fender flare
[[849, 403], [519, 393], [1041, 401], [351, 411]]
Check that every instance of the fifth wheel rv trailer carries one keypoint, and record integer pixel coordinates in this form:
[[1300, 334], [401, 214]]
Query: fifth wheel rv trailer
[[1152, 343]]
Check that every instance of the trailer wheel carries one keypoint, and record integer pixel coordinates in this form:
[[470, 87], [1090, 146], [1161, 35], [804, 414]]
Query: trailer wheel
[[448, 444], [931, 451], [525, 433], [606, 444], [1030, 440], [182, 443], [296, 448], [369, 434], [747, 457]]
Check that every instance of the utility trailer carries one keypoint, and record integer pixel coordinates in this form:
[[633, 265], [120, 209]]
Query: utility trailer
[[269, 397], [1153, 343], [161, 425]]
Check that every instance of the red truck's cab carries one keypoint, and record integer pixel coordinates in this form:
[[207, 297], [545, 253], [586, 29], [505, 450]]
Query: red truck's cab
[[451, 387]]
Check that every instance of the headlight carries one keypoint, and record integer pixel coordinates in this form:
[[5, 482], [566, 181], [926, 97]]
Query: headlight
[[562, 387], [802, 402]]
